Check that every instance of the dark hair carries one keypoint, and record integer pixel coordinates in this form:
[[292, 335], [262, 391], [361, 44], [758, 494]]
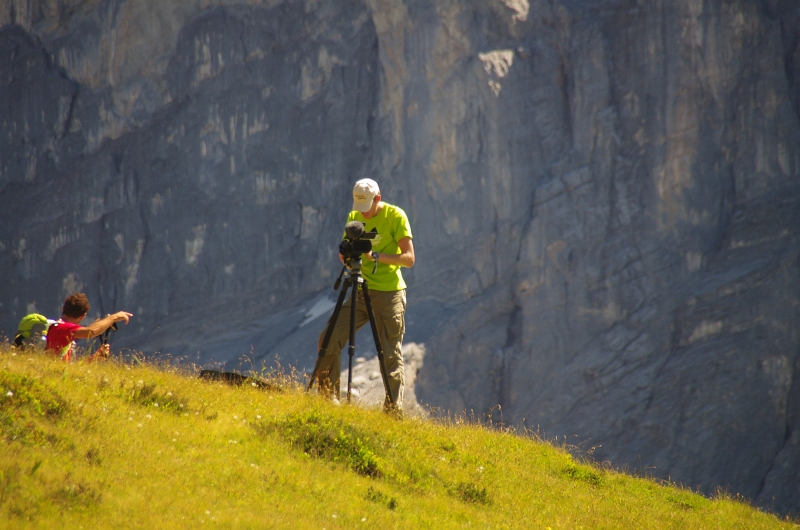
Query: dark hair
[[76, 305]]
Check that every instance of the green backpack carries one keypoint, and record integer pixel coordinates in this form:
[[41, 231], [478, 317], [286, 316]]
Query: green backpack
[[30, 328]]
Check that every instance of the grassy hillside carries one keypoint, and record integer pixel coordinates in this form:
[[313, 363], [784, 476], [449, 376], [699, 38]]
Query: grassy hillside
[[110, 445]]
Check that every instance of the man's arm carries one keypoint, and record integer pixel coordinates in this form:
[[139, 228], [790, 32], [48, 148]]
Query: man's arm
[[99, 326], [404, 259]]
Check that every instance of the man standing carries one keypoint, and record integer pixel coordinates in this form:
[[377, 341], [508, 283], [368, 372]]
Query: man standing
[[61, 335], [391, 249]]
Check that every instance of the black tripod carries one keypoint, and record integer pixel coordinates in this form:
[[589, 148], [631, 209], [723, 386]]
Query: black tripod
[[353, 279]]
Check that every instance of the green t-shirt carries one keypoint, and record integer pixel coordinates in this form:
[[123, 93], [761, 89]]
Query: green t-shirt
[[392, 226]]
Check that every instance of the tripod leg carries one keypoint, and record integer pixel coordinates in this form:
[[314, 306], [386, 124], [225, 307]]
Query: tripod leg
[[351, 349], [381, 361], [329, 332]]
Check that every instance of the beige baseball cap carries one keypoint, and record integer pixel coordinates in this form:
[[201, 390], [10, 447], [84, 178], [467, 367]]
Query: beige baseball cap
[[364, 192]]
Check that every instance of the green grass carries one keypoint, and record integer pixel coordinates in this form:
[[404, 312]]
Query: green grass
[[110, 445]]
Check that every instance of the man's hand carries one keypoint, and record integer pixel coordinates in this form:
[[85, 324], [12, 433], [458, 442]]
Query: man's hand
[[404, 259], [102, 353], [122, 315]]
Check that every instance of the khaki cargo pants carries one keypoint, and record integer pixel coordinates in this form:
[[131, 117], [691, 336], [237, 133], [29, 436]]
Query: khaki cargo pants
[[389, 308]]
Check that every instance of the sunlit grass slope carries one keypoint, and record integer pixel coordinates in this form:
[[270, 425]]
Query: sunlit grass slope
[[110, 445]]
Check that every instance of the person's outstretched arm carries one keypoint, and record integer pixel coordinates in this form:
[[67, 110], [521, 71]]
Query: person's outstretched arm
[[99, 326]]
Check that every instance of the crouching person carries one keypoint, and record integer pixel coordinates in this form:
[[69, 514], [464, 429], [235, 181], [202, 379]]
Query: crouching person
[[61, 335]]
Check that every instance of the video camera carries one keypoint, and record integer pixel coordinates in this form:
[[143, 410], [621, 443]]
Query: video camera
[[356, 241]]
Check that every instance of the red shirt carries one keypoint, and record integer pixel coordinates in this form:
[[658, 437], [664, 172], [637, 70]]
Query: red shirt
[[60, 337]]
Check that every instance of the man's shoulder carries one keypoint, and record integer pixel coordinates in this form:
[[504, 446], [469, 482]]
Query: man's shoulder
[[397, 219], [394, 211], [66, 326]]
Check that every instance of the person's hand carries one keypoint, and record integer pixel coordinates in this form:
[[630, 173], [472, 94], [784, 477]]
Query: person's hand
[[122, 315], [102, 353]]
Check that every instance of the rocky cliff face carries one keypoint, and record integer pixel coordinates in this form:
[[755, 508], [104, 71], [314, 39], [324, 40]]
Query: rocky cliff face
[[605, 198]]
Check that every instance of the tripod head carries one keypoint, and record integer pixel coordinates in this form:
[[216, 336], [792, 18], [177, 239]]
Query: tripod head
[[353, 267]]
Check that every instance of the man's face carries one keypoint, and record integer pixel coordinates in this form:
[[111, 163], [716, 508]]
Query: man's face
[[373, 210]]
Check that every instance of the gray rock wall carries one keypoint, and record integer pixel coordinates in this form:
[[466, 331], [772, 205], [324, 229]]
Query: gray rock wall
[[214, 188], [604, 197]]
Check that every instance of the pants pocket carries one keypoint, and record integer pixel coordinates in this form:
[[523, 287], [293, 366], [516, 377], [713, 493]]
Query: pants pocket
[[393, 317], [394, 327]]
